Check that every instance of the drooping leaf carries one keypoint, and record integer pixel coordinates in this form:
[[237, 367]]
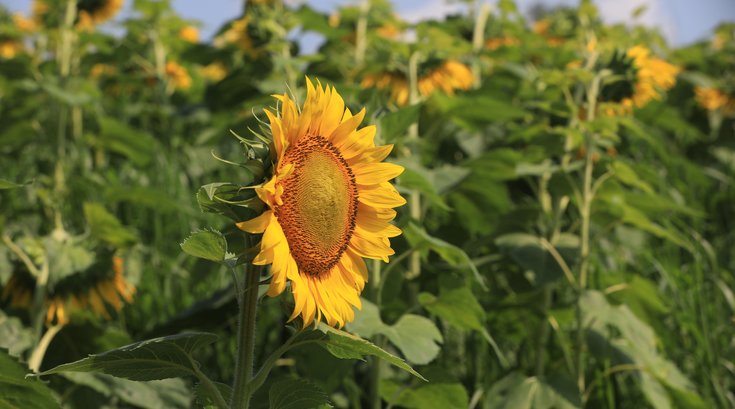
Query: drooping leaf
[[118, 137], [166, 393], [635, 343], [158, 358], [421, 241], [516, 391], [17, 392], [427, 396], [344, 345], [294, 393], [106, 227], [415, 336]]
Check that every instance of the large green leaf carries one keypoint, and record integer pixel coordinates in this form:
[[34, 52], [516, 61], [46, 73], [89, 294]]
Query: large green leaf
[[14, 336], [540, 265], [136, 145], [421, 241], [205, 398], [636, 342], [516, 391], [428, 396], [158, 358], [165, 393], [17, 392], [457, 306], [106, 227], [393, 125], [344, 345], [294, 393], [415, 336]]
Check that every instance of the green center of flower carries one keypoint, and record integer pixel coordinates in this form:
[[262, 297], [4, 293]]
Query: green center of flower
[[319, 205]]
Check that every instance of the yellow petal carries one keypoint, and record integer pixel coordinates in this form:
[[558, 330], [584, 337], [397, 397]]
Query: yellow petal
[[375, 173], [383, 196], [256, 225]]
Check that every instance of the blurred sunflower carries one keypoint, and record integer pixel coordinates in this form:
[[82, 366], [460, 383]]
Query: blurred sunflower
[[447, 77], [215, 71], [237, 34], [653, 76], [24, 23], [712, 99], [330, 205], [89, 12], [70, 296], [496, 42], [178, 75], [10, 48], [542, 28], [189, 34], [645, 78]]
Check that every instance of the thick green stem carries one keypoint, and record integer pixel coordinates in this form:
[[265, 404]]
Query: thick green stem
[[34, 363], [361, 33], [414, 269], [478, 40], [585, 213], [375, 368], [248, 302]]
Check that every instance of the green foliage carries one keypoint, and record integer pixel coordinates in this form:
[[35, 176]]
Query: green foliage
[[20, 392], [159, 358]]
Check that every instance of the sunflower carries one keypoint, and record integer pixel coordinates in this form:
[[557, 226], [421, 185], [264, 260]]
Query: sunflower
[[215, 71], [447, 77], [496, 42], [98, 11], [178, 75], [189, 34], [24, 23], [653, 77], [330, 204], [712, 99], [113, 290], [238, 34], [10, 48]]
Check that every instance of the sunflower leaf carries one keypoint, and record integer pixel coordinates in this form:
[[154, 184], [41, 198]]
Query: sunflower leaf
[[414, 335], [158, 358], [206, 244], [344, 345], [293, 393], [19, 392]]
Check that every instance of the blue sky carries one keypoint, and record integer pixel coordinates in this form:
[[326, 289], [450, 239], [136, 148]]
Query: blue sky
[[682, 21]]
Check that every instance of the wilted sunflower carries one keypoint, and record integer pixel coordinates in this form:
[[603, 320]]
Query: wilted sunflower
[[330, 205], [70, 297], [448, 76]]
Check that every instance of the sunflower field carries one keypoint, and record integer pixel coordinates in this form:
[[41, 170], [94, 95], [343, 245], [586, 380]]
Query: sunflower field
[[493, 210]]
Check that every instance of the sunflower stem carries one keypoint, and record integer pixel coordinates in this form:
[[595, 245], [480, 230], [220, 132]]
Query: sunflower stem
[[413, 135], [376, 287], [478, 39], [248, 303], [584, 249], [361, 33]]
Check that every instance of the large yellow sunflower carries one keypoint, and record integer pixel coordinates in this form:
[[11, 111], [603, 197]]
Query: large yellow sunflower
[[330, 205]]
